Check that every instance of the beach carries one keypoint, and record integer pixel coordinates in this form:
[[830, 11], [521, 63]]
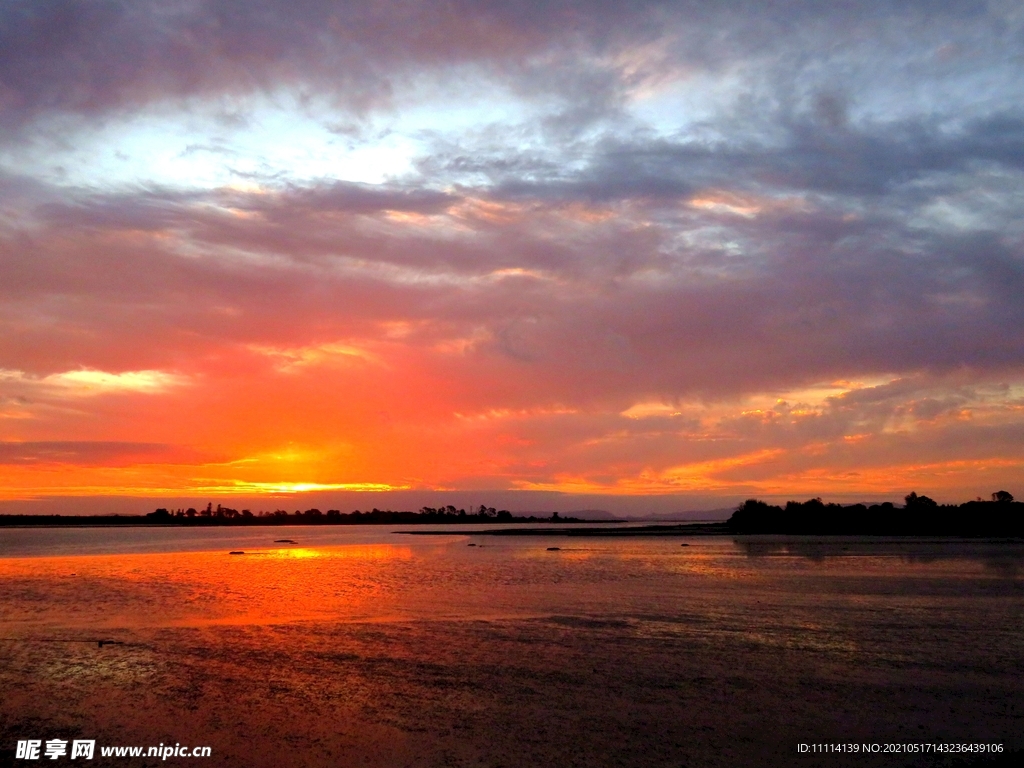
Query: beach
[[392, 650]]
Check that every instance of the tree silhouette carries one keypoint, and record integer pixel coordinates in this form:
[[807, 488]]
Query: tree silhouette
[[919, 502]]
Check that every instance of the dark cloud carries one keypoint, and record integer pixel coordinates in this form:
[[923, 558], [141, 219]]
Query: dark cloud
[[873, 160], [819, 297], [86, 56], [90, 56]]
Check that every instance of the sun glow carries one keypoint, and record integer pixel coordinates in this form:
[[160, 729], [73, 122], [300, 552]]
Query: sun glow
[[243, 487]]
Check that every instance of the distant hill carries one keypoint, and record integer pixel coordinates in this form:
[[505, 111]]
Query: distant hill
[[687, 516], [593, 514], [596, 515]]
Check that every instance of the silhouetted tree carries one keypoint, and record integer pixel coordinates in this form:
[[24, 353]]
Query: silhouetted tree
[[919, 502], [756, 516]]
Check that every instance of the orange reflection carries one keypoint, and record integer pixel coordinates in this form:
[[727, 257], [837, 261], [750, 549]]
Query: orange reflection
[[269, 586]]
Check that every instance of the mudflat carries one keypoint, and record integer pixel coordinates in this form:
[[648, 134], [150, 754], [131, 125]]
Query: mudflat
[[619, 653]]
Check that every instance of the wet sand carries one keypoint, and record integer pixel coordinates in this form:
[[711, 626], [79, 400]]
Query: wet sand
[[633, 655]]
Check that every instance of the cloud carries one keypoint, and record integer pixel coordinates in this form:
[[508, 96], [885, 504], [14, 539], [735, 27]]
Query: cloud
[[88, 383], [91, 58], [600, 243], [730, 303]]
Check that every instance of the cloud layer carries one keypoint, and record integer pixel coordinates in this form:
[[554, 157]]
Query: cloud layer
[[687, 248]]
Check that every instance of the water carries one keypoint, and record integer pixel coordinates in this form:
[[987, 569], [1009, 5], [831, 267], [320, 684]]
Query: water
[[414, 650], [111, 540]]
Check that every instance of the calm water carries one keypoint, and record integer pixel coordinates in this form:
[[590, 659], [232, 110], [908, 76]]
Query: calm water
[[31, 542], [717, 652]]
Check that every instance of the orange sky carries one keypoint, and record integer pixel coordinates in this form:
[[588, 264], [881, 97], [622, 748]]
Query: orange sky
[[403, 417]]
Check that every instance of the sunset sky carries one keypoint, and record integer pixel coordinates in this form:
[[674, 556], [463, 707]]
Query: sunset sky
[[693, 250]]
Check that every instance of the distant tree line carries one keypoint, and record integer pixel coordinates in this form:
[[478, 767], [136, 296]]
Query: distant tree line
[[920, 516], [448, 514], [221, 515]]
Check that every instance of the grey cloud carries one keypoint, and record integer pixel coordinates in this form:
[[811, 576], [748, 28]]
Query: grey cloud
[[821, 299], [87, 57], [155, 208], [348, 197], [91, 56], [865, 161]]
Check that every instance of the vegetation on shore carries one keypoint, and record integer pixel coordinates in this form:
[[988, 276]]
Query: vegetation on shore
[[220, 515], [920, 516]]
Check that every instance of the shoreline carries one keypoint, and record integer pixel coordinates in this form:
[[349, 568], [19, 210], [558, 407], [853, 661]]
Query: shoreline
[[683, 529], [140, 521]]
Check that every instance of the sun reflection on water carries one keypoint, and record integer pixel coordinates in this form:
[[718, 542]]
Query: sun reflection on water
[[172, 589]]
